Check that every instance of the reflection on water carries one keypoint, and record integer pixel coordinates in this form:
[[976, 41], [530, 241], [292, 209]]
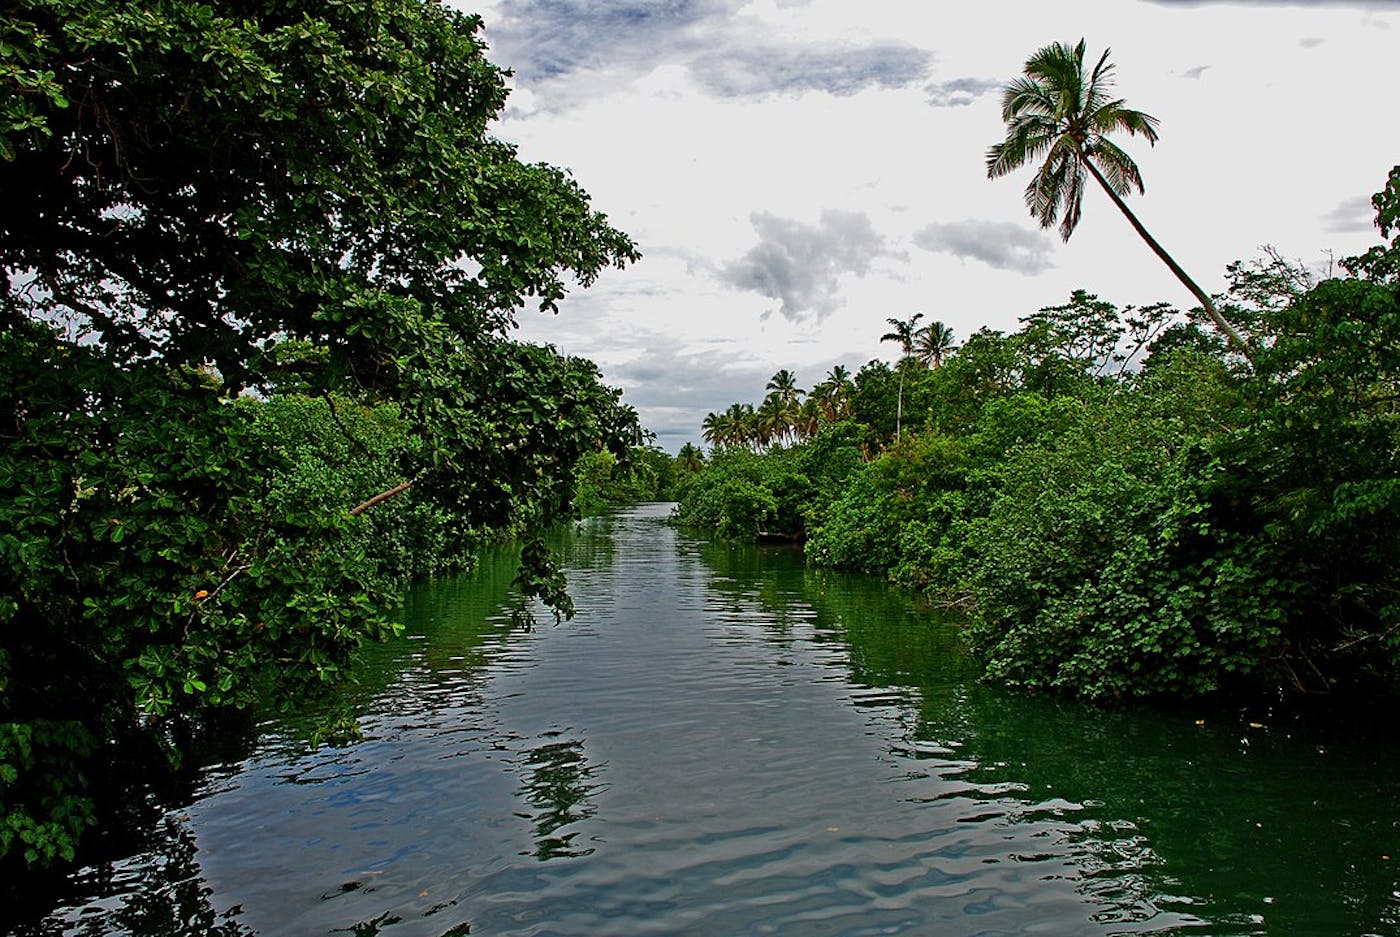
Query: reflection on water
[[558, 784], [726, 742], [159, 892]]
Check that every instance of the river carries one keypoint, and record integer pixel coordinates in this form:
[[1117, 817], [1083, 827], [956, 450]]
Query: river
[[725, 742]]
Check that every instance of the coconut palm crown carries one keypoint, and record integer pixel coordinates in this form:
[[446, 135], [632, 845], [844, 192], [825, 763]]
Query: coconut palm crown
[[933, 343], [1058, 114], [904, 332]]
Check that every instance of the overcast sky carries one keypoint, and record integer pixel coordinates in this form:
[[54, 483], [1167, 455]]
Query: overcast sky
[[796, 172]]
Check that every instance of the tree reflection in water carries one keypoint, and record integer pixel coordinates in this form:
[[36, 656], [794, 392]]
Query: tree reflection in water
[[157, 893], [558, 782]]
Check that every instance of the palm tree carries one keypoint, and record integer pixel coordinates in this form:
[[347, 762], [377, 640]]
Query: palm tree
[[784, 384], [904, 331], [730, 428], [932, 343], [1056, 112], [834, 393], [741, 422], [808, 419], [770, 420], [713, 428], [839, 376], [690, 459]]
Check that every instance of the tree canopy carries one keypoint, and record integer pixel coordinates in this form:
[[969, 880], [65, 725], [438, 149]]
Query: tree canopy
[[208, 206]]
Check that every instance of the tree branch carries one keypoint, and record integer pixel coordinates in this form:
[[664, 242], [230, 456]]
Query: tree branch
[[398, 489]]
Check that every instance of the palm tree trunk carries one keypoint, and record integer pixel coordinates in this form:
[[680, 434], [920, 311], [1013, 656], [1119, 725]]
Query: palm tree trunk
[[1206, 302], [899, 405]]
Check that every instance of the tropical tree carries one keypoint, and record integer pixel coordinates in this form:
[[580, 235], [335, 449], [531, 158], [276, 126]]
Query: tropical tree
[[739, 425], [904, 331], [932, 343], [215, 201], [784, 384], [691, 459], [771, 421], [808, 418], [729, 428], [1058, 112], [833, 394], [712, 428]]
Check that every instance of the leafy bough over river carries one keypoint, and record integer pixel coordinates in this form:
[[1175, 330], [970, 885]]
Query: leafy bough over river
[[725, 742]]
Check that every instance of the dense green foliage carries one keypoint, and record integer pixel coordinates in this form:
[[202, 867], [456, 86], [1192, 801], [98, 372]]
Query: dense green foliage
[[260, 264], [1124, 508], [646, 473], [742, 494]]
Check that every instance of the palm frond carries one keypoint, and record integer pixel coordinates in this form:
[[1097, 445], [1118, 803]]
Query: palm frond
[[1044, 194], [1060, 70], [1117, 167], [1073, 199], [1137, 123], [1057, 65], [1022, 95], [1026, 139], [1101, 79]]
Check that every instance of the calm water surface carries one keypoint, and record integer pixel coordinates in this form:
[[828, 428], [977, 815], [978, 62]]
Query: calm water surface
[[724, 742]]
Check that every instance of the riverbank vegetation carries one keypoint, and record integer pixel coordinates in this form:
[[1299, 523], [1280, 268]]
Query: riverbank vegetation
[[1123, 505], [1128, 502], [643, 473], [260, 270]]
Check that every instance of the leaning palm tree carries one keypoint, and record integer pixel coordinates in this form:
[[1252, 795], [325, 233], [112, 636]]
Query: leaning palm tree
[[1058, 112], [904, 332], [932, 343]]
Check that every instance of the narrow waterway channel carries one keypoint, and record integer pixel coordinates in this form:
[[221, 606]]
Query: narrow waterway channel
[[724, 742]]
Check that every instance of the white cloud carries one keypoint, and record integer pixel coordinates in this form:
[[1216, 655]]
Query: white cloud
[[840, 70], [999, 244], [960, 92], [1353, 214], [801, 264]]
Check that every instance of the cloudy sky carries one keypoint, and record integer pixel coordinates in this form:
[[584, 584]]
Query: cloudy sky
[[797, 171]]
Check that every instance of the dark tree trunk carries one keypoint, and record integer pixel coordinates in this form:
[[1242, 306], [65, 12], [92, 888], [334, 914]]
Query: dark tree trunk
[[1206, 302]]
